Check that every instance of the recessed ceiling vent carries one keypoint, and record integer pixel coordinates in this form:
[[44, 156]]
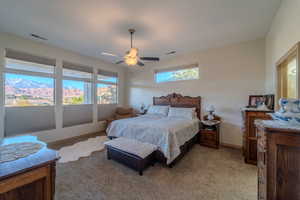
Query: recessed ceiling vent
[[170, 52], [37, 37]]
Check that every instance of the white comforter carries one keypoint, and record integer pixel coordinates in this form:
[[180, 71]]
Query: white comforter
[[167, 133]]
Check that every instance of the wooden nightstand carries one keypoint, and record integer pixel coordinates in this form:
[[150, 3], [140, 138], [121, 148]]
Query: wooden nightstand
[[210, 133]]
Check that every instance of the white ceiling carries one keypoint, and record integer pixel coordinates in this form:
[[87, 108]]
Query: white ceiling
[[92, 26]]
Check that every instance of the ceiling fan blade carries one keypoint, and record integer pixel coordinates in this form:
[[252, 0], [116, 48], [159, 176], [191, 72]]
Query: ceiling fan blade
[[150, 58], [109, 54], [139, 63], [119, 62]]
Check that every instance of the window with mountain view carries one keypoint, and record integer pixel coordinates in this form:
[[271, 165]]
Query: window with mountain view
[[177, 75], [77, 86], [76, 92], [107, 92], [28, 83]]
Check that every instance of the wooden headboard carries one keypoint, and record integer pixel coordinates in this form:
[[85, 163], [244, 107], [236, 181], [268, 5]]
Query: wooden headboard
[[177, 100]]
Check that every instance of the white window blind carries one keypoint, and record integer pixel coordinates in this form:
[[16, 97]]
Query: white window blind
[[77, 84]]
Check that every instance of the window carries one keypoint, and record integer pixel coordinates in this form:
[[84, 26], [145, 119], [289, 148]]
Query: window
[[177, 74], [77, 87], [287, 79], [29, 80], [107, 87]]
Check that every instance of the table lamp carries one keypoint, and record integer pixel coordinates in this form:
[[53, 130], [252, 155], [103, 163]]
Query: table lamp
[[210, 109]]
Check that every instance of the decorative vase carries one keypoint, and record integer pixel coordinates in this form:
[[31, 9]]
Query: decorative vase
[[289, 111]]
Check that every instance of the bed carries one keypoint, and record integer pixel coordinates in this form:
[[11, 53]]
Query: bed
[[174, 136]]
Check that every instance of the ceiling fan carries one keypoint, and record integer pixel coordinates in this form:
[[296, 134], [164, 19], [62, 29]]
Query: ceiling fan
[[132, 56]]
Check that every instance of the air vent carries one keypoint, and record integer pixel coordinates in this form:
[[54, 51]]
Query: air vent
[[37, 37], [170, 52]]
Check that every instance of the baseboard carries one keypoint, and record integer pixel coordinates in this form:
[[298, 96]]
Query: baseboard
[[75, 137], [232, 146], [69, 132]]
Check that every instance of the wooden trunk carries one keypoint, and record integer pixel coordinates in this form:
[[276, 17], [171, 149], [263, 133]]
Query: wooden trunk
[[278, 164], [250, 135]]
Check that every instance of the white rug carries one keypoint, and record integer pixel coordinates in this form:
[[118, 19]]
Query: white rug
[[81, 149]]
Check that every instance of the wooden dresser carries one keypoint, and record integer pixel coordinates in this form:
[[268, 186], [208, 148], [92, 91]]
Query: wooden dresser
[[29, 178], [249, 137], [278, 162]]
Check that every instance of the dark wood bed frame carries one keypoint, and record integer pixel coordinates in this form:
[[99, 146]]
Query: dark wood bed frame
[[177, 100]]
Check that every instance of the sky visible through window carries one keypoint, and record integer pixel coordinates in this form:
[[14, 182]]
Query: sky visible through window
[[30, 78], [184, 74], [73, 84], [67, 83]]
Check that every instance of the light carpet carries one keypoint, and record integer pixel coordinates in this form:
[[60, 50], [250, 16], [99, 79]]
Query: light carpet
[[81, 149], [203, 174]]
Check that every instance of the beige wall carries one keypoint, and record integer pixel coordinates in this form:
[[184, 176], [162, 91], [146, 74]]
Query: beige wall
[[284, 34], [227, 76], [41, 49]]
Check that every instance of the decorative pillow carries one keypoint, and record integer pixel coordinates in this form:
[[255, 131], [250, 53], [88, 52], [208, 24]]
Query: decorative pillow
[[162, 110], [187, 113]]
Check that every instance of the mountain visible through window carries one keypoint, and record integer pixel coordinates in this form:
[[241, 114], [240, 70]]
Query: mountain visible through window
[[24, 90], [177, 75]]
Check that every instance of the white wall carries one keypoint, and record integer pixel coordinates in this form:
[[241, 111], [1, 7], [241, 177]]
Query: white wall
[[37, 48], [284, 34], [227, 76]]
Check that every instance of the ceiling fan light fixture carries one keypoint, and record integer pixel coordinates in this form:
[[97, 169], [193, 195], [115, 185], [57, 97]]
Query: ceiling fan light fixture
[[131, 60], [132, 57]]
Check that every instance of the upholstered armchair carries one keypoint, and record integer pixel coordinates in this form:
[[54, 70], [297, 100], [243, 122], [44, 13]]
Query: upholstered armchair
[[121, 113]]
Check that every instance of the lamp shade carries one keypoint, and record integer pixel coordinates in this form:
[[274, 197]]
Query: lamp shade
[[210, 108]]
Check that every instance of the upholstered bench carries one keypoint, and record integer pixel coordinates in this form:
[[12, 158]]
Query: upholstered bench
[[132, 153]]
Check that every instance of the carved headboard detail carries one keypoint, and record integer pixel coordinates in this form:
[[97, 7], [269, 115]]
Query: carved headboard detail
[[177, 100]]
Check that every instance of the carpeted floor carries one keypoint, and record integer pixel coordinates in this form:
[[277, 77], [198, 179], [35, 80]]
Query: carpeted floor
[[203, 173]]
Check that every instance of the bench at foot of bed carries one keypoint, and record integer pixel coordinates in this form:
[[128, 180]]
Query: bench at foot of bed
[[132, 153]]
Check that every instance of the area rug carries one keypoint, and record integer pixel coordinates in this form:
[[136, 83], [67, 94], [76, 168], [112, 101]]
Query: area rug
[[81, 149]]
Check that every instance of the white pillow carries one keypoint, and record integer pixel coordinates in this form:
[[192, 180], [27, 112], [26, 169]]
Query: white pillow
[[162, 110], [187, 113]]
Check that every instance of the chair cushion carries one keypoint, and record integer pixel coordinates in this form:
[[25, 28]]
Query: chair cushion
[[132, 146], [123, 116], [124, 111]]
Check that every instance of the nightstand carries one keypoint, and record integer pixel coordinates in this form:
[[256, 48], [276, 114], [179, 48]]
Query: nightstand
[[210, 132]]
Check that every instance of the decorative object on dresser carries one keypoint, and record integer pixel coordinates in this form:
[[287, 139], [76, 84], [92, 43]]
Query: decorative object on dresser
[[256, 101], [31, 177], [250, 114], [289, 112], [278, 160], [210, 131]]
